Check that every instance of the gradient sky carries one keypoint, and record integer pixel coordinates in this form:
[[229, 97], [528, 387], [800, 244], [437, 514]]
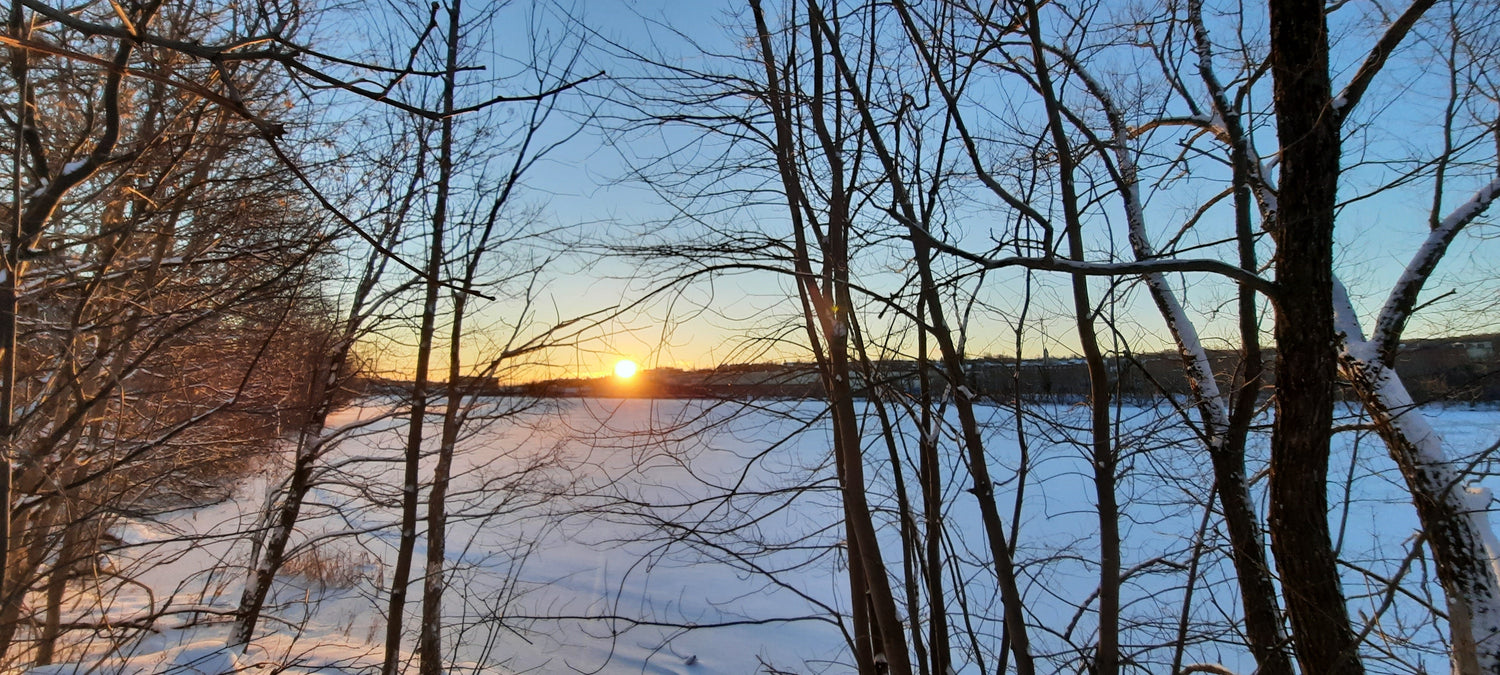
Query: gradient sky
[[585, 186]]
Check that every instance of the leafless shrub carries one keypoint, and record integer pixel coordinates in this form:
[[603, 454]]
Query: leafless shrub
[[329, 565]]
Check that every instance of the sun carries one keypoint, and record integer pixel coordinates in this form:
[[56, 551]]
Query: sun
[[625, 369]]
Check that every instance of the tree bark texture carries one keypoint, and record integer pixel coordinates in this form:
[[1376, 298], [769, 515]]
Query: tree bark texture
[[1307, 128]]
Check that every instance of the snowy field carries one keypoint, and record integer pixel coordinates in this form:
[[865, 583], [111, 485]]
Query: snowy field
[[684, 537]]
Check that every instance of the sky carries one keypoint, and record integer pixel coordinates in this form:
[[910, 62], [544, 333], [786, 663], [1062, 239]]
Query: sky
[[585, 188]]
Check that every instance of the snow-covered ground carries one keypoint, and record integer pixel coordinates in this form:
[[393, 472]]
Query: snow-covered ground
[[642, 536]]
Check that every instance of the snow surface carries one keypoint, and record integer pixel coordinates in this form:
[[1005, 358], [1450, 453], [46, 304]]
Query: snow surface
[[602, 536]]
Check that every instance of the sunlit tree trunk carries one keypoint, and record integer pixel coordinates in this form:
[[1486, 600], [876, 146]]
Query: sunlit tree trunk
[[70, 555], [31, 217]]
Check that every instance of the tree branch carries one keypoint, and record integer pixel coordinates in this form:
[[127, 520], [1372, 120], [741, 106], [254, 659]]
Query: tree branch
[[1056, 264], [1375, 60], [1401, 303]]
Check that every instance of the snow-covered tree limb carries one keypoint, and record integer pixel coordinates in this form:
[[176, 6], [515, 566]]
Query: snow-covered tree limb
[[1403, 297], [1452, 514]]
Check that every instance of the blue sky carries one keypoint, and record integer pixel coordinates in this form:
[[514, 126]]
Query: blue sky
[[586, 186]]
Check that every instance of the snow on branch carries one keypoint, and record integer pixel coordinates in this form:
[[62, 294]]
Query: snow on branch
[[1403, 298], [1375, 60]]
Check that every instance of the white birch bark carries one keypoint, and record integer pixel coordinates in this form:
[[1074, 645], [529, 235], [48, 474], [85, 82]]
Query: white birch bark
[[1453, 514]]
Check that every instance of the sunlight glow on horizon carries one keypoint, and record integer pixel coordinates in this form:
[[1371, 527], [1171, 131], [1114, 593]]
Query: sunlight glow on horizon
[[625, 369]]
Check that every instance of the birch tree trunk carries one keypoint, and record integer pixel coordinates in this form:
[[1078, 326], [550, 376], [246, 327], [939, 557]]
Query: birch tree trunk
[[1452, 515]]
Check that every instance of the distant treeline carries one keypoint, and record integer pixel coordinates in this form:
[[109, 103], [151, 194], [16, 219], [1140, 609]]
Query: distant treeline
[[1453, 369]]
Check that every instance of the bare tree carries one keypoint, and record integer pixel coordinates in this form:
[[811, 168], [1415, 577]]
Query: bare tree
[[122, 284], [828, 304]]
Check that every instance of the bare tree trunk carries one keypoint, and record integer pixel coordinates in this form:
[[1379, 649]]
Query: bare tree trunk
[[9, 280], [1023, 442], [888, 644], [429, 641], [282, 522], [8, 307], [1107, 656], [1227, 436], [859, 608], [983, 488], [1225, 425], [1452, 515], [401, 575], [932, 504], [70, 553], [1263, 618], [875, 395], [32, 216], [406, 545], [1307, 126], [282, 514], [429, 637], [831, 304]]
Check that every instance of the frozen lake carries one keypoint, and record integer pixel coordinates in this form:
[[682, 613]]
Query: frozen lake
[[639, 536]]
